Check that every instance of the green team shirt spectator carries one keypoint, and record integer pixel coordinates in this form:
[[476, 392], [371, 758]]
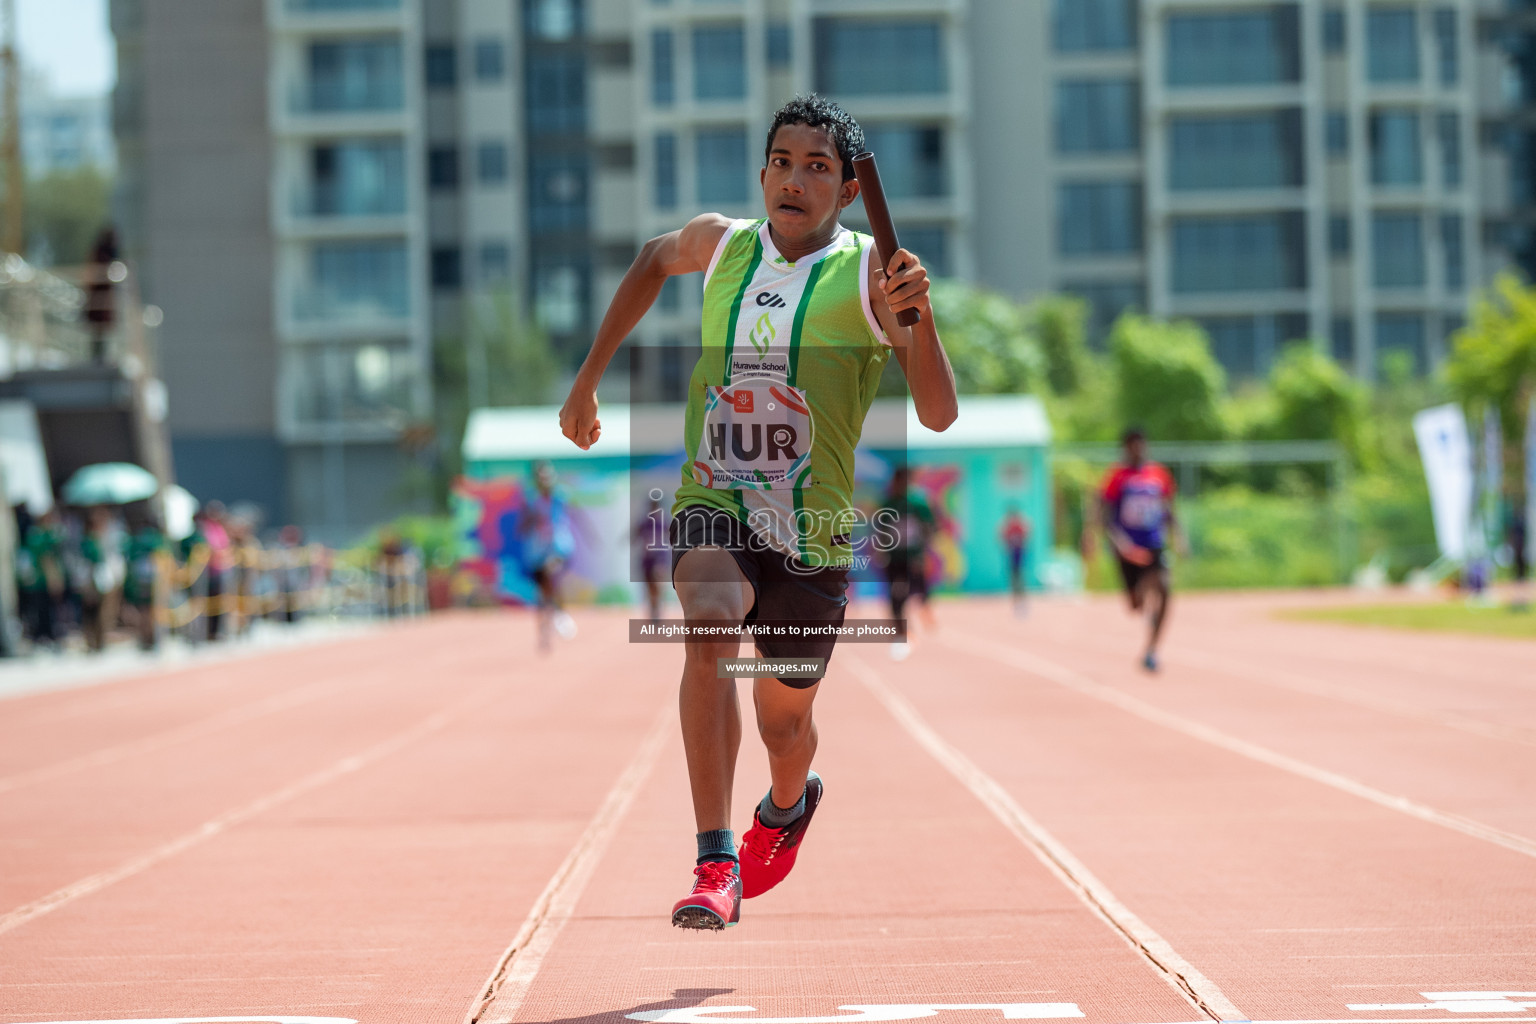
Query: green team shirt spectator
[[142, 552]]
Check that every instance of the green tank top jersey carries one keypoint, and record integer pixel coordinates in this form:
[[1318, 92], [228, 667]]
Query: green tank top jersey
[[792, 356]]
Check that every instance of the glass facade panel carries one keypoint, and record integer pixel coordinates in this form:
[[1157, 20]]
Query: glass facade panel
[[666, 171], [1397, 248], [491, 163], [1098, 116], [365, 177], [1400, 333], [1082, 26], [1263, 252], [930, 242], [1251, 48], [557, 192], [1100, 218], [490, 60], [779, 43], [356, 75], [495, 263], [356, 280], [560, 296], [1246, 346], [342, 5], [1337, 128], [443, 167], [557, 93], [1244, 151], [1454, 252], [912, 159], [1447, 46], [1334, 37], [351, 383], [442, 66], [553, 20], [1338, 235], [1396, 150], [721, 165], [1448, 127], [1106, 300], [719, 62], [1392, 44], [663, 69], [1342, 337], [447, 267], [856, 57]]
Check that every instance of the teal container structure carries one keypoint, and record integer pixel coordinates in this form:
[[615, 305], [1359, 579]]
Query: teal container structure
[[996, 456]]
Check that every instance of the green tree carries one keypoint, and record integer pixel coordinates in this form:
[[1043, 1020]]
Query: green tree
[[1493, 360], [66, 210], [1316, 399], [1166, 379], [989, 341], [1059, 324]]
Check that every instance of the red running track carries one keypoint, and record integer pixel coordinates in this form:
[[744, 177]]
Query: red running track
[[1293, 822]]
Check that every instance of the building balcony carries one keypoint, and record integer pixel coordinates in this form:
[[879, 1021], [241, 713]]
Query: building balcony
[[321, 313], [329, 16], [319, 211]]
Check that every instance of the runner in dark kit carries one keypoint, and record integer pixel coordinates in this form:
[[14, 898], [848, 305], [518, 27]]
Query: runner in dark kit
[[798, 323], [1136, 509]]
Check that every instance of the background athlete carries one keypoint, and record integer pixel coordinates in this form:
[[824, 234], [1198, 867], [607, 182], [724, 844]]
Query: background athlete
[[798, 323], [1136, 509]]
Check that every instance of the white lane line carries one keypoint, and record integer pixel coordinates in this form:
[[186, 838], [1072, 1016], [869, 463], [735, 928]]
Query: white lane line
[[238, 715], [1080, 683], [214, 826], [1201, 992], [1298, 683], [503, 993]]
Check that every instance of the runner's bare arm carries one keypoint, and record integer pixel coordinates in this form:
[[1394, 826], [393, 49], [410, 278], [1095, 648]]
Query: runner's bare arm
[[918, 349], [684, 251]]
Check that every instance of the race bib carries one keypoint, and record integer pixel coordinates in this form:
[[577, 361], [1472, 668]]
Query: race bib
[[755, 437], [1141, 511]]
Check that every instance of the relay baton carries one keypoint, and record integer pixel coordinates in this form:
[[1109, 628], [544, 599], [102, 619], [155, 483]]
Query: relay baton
[[880, 222]]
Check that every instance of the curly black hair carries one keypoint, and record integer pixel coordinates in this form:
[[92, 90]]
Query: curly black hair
[[819, 112]]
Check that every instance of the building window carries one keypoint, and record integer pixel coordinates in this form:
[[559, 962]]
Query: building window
[[666, 171], [1338, 235], [365, 177], [1246, 345], [855, 57], [1446, 46], [447, 267], [442, 66], [559, 297], [1392, 44], [1396, 152], [557, 192], [1342, 335], [356, 280], [1334, 39], [913, 163], [1454, 251], [1100, 218], [1262, 252], [1253, 48], [663, 70], [1448, 126], [1098, 116], [719, 62], [443, 167], [553, 20], [351, 76], [491, 163], [931, 244], [557, 93], [1106, 301], [721, 165], [495, 263], [779, 42], [1397, 249], [1240, 151], [490, 60], [1083, 26], [1337, 128], [1401, 332], [671, 298], [372, 382]]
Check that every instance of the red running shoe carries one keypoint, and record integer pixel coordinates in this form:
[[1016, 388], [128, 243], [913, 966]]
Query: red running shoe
[[767, 854], [715, 902]]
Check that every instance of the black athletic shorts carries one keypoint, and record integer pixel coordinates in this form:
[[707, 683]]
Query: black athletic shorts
[[786, 589], [1133, 573]]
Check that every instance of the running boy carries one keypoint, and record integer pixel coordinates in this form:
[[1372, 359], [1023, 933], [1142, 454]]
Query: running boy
[[798, 324], [1136, 509]]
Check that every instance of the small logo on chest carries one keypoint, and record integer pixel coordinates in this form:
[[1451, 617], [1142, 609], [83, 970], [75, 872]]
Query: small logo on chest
[[773, 299]]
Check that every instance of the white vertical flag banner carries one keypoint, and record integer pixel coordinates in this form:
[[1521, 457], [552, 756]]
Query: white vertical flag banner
[[1493, 479], [1446, 449], [1530, 481]]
